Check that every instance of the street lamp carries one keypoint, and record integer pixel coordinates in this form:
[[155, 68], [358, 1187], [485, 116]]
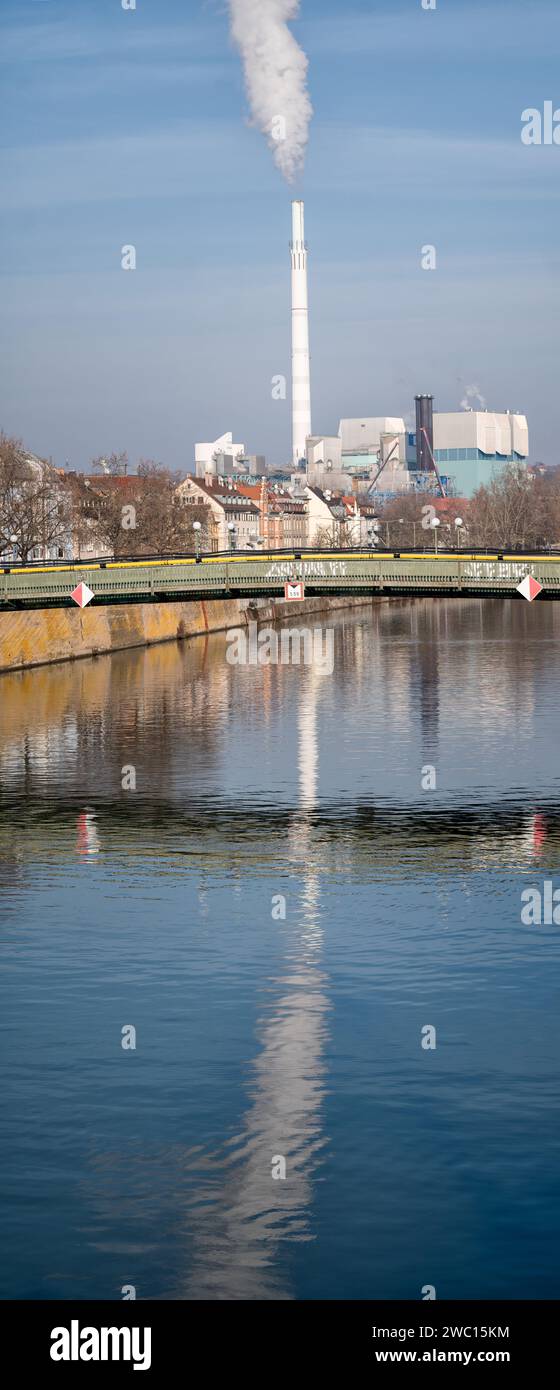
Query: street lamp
[[434, 523], [197, 528], [232, 534], [458, 525]]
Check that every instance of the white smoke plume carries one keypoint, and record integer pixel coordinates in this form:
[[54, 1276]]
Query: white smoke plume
[[275, 70], [472, 393]]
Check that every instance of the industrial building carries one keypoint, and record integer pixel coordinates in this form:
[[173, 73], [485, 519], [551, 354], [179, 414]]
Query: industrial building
[[472, 446], [466, 448], [324, 452], [373, 457], [223, 459], [363, 437]]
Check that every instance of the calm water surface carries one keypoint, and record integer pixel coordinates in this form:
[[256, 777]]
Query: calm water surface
[[279, 909]]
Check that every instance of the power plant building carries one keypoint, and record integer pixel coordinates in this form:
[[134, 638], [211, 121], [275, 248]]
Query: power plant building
[[219, 457], [324, 463], [324, 451], [468, 447], [471, 447], [363, 436]]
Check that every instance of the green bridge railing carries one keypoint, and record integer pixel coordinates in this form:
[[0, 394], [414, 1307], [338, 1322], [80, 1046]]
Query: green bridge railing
[[244, 575]]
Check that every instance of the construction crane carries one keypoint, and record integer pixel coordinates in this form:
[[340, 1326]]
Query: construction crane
[[434, 464], [390, 455], [384, 464]]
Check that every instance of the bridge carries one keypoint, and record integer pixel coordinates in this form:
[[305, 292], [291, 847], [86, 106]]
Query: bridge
[[256, 574]]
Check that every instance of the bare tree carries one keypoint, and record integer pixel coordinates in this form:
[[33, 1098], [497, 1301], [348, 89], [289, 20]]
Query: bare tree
[[113, 465], [34, 509], [548, 490], [114, 526], [84, 507], [405, 521], [328, 537], [144, 515], [165, 522], [149, 468], [516, 509]]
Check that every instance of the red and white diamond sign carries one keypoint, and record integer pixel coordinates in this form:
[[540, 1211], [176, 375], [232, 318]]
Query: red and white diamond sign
[[82, 595], [529, 587]]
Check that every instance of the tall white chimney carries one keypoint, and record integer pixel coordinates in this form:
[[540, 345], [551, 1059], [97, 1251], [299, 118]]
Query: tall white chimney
[[301, 389]]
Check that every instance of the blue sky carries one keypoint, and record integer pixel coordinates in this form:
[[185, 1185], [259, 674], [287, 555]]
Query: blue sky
[[131, 127]]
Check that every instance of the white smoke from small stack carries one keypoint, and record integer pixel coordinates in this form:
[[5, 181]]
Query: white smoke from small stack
[[472, 393], [275, 69]]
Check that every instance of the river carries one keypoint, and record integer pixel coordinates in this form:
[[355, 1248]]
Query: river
[[301, 888]]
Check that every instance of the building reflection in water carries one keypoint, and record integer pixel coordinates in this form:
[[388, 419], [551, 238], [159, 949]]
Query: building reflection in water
[[426, 684], [174, 713], [87, 837], [240, 1230]]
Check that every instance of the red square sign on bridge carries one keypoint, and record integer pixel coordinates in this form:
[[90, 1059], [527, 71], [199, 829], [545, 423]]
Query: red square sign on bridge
[[294, 589]]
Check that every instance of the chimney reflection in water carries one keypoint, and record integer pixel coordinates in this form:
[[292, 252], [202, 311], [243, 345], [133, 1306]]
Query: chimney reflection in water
[[240, 1232]]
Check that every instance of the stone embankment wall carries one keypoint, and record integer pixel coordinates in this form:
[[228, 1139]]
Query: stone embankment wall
[[45, 635]]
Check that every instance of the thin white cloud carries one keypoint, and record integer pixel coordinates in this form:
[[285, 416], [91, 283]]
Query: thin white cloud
[[396, 163], [142, 82], [63, 41], [201, 156], [147, 166], [522, 30]]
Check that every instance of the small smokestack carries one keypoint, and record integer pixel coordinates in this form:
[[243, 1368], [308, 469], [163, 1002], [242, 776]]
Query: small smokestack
[[424, 433], [301, 388]]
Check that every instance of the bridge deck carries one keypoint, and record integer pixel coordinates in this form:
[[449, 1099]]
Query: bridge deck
[[244, 574]]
